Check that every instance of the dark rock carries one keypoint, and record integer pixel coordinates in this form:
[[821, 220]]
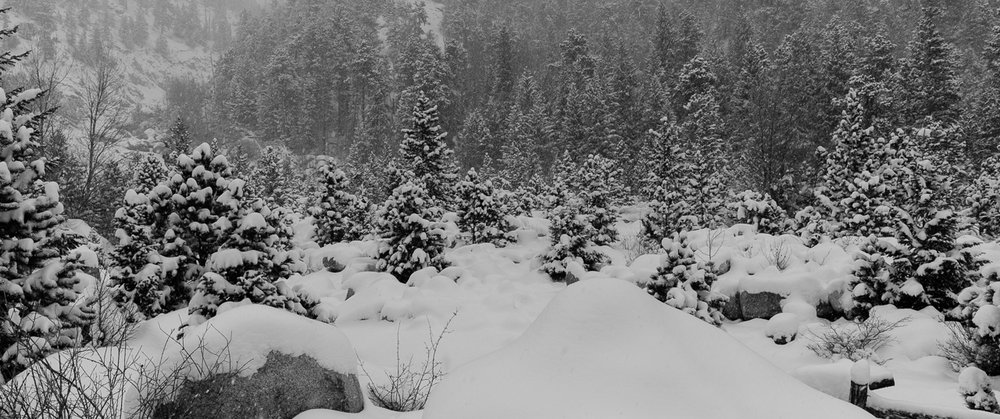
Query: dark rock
[[882, 383], [333, 265], [284, 387], [783, 340], [763, 305], [570, 278], [350, 293], [731, 310]]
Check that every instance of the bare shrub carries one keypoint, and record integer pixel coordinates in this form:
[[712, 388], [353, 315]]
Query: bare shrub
[[110, 382], [965, 348], [410, 385], [778, 254], [634, 245], [854, 341]]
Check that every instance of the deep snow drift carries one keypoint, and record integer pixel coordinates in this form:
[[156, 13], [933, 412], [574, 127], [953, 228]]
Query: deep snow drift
[[605, 349]]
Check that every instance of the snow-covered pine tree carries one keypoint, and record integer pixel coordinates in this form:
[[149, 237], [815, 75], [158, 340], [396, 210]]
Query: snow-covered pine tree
[[270, 177], [39, 287], [178, 140], [690, 189], [425, 153], [930, 86], [409, 225], [759, 210], [250, 265], [150, 170], [598, 182], [879, 276], [863, 175], [482, 213], [132, 266], [340, 215], [941, 265], [191, 214], [572, 239], [685, 283], [984, 199]]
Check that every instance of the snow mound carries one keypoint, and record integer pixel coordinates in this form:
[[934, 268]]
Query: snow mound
[[246, 334], [604, 349]]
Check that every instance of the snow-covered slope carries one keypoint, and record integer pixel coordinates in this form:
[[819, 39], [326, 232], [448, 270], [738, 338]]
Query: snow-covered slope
[[146, 68], [605, 349]]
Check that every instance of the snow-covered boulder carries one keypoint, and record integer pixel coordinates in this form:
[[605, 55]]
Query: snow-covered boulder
[[603, 348], [265, 362]]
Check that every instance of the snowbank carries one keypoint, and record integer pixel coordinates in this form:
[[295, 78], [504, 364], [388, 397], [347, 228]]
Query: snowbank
[[605, 349], [246, 334]]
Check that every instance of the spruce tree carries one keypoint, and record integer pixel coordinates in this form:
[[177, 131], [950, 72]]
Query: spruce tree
[[248, 266], [572, 239], [191, 214], [598, 182], [425, 153], [39, 286], [984, 197], [271, 178], [409, 225], [759, 210], [149, 171], [178, 140], [930, 83], [339, 214], [685, 283], [482, 212]]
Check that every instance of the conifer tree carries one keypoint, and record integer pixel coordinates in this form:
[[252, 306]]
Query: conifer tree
[[271, 178], [339, 214], [759, 210], [930, 84], [481, 211], [178, 140], [685, 283], [191, 214], [133, 267], [984, 199], [425, 153], [598, 183], [248, 266], [572, 239], [149, 172], [410, 228], [39, 286]]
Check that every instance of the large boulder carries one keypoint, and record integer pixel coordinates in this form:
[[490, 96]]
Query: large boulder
[[284, 387], [255, 361], [604, 348], [760, 305]]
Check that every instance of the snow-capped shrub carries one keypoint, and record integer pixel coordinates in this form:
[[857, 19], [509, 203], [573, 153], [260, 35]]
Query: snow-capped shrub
[[782, 328], [409, 225], [340, 215], [974, 386], [482, 212], [572, 240], [759, 210], [685, 283]]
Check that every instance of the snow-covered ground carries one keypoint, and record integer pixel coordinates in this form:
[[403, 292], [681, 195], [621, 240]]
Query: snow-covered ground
[[519, 345]]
